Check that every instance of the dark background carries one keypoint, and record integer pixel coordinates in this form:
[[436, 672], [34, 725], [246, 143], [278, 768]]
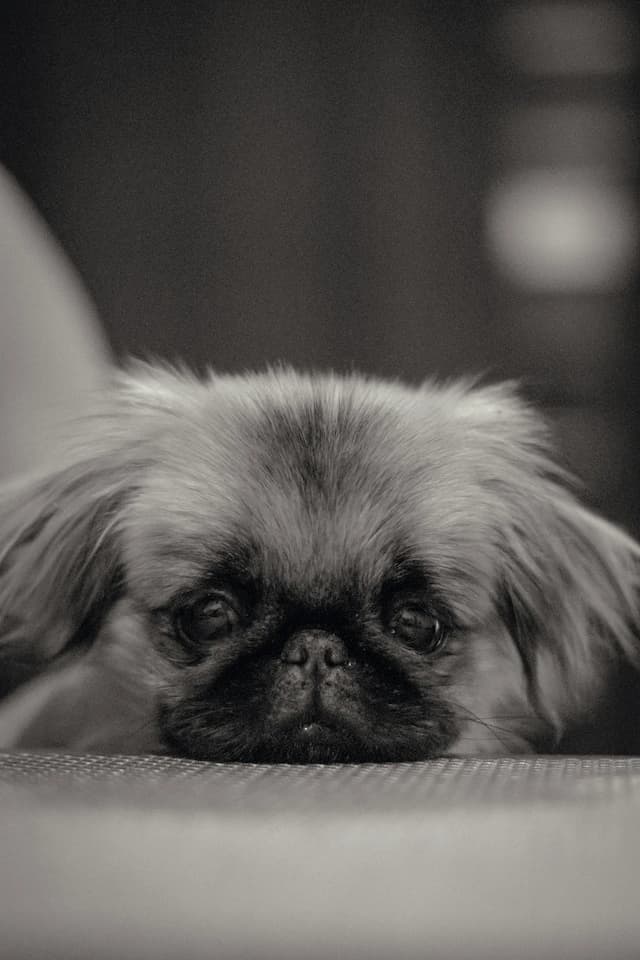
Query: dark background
[[240, 183]]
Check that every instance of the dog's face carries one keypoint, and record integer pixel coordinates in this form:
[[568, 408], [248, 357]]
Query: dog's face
[[290, 568]]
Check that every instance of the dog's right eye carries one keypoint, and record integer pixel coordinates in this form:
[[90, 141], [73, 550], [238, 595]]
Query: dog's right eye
[[207, 620], [415, 624]]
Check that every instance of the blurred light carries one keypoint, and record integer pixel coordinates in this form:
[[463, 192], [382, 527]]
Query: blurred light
[[588, 134], [562, 231], [568, 38]]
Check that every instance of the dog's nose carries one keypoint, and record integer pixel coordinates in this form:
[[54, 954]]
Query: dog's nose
[[313, 650]]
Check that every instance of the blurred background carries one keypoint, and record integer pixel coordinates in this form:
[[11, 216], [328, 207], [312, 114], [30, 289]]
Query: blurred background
[[407, 188]]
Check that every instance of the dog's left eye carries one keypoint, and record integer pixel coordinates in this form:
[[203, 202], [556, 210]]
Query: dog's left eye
[[418, 627], [213, 618]]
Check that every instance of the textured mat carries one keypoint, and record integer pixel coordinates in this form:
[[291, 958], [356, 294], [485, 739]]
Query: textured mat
[[315, 789], [150, 857]]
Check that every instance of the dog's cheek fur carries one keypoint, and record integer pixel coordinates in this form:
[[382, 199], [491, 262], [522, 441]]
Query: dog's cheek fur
[[492, 699], [104, 699]]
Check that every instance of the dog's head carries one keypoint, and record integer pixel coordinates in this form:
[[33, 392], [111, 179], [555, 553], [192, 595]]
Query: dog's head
[[290, 567]]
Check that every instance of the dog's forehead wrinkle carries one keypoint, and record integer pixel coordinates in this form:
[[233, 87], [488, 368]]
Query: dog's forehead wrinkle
[[325, 434], [318, 450], [319, 570], [323, 439], [323, 472]]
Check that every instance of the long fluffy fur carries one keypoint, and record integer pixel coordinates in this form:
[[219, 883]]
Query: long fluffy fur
[[560, 579]]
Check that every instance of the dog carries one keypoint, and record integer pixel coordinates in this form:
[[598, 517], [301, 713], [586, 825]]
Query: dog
[[293, 567]]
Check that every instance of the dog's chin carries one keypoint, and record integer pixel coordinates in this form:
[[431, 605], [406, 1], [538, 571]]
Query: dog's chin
[[304, 743], [311, 740], [302, 738]]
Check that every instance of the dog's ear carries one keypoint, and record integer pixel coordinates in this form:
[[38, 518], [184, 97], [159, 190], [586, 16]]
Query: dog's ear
[[572, 601], [60, 563], [570, 580]]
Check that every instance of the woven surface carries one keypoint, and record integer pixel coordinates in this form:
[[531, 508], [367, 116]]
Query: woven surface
[[316, 789], [156, 858]]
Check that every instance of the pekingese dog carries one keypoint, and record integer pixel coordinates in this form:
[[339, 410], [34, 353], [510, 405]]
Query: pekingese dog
[[291, 567]]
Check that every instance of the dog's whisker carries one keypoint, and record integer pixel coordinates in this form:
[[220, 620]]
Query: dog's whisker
[[506, 716], [498, 732]]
